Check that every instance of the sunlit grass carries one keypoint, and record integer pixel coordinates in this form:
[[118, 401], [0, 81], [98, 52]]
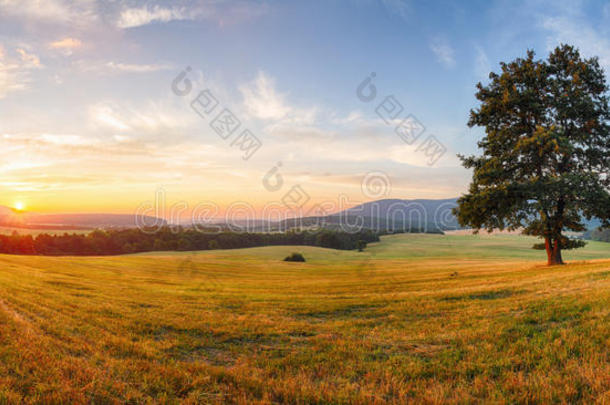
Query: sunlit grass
[[416, 318], [7, 230]]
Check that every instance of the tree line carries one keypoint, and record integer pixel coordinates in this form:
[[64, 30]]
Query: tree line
[[124, 241], [601, 235]]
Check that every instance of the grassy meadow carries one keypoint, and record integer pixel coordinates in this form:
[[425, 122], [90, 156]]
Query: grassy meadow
[[414, 318], [8, 230]]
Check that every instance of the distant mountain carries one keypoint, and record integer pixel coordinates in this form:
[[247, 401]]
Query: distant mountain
[[9, 217], [419, 215], [395, 214], [383, 215]]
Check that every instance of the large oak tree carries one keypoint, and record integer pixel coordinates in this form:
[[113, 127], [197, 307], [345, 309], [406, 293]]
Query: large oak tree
[[545, 157]]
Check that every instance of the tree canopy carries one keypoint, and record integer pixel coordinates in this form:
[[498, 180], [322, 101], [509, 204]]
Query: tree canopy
[[545, 158]]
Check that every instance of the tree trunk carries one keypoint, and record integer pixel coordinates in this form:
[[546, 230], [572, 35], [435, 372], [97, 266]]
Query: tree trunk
[[553, 252], [549, 250], [557, 253]]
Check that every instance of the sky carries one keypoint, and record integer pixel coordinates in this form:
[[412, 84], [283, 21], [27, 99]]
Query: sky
[[112, 106]]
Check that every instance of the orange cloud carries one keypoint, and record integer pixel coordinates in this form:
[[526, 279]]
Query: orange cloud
[[66, 44]]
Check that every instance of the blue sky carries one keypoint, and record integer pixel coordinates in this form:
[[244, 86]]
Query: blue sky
[[90, 123]]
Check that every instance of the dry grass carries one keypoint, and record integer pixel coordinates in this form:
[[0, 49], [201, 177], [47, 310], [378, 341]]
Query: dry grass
[[410, 320]]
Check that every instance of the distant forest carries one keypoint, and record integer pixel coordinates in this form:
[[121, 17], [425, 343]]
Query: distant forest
[[115, 242], [602, 235]]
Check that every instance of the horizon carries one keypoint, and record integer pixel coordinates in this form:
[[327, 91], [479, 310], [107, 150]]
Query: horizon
[[136, 84], [181, 214]]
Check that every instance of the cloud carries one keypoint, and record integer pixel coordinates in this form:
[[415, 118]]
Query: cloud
[[101, 16], [262, 101], [443, 51], [62, 139], [482, 66], [106, 116], [398, 7], [136, 17], [29, 60], [354, 117], [60, 11], [112, 67], [154, 121], [15, 72], [223, 12], [11, 79], [369, 142], [134, 68], [573, 29], [66, 45]]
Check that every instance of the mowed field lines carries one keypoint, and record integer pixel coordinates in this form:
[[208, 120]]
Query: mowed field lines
[[414, 318]]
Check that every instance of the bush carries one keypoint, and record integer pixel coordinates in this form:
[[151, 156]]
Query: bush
[[361, 245], [566, 244], [295, 257]]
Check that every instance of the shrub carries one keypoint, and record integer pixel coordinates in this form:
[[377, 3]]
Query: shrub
[[295, 257], [566, 243], [361, 245]]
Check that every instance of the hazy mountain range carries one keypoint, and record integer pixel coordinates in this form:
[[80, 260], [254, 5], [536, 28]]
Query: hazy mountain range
[[12, 218], [420, 215]]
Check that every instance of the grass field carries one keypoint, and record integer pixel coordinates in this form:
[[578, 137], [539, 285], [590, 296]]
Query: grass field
[[7, 230], [414, 318]]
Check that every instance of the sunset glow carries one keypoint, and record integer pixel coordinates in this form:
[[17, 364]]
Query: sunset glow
[[92, 122]]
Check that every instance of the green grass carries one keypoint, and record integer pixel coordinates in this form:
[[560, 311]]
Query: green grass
[[414, 318]]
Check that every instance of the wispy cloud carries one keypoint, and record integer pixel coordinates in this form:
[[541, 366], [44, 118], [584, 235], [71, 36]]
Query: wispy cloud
[[66, 45], [29, 60], [15, 70], [443, 51], [222, 12], [135, 68], [106, 116], [398, 7], [77, 12], [11, 79], [136, 17], [111, 67], [153, 120], [63, 139], [102, 15], [482, 66], [262, 101], [571, 27]]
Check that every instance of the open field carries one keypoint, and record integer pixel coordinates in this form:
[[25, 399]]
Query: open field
[[414, 318], [7, 230]]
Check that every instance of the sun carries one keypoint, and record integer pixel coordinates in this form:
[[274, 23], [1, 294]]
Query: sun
[[19, 206]]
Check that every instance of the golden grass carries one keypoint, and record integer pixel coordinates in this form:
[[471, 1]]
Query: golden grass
[[406, 321]]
